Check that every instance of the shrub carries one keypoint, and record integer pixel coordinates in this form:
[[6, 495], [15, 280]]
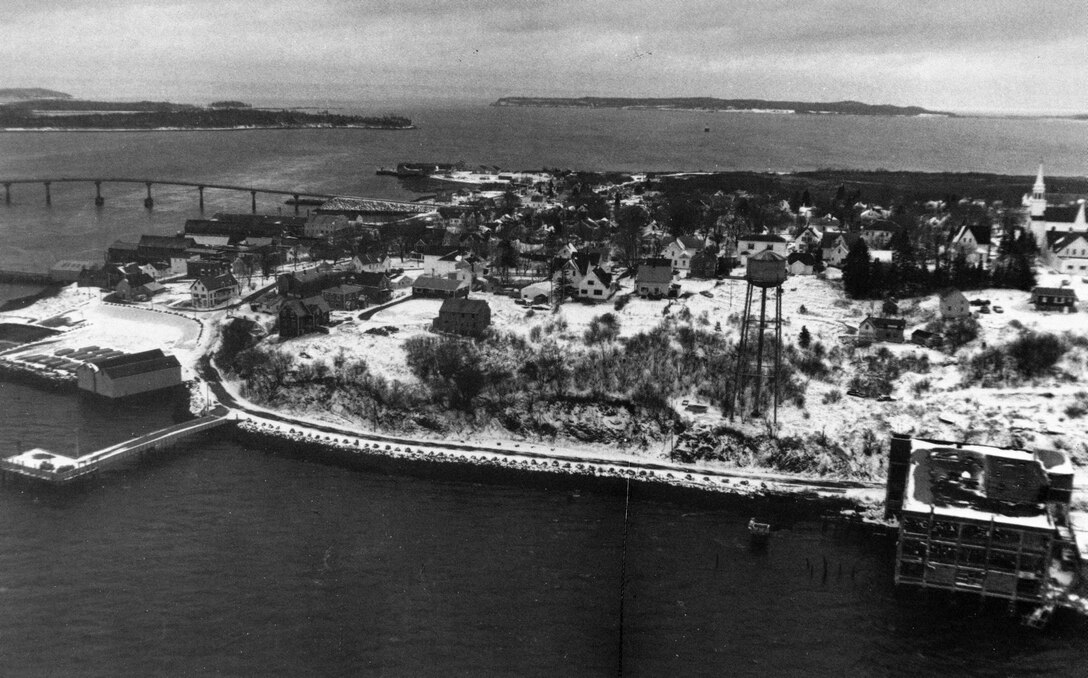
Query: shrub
[[621, 302], [1079, 406], [920, 387], [832, 396]]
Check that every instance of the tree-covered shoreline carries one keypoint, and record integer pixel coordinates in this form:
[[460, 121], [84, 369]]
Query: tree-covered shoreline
[[196, 118]]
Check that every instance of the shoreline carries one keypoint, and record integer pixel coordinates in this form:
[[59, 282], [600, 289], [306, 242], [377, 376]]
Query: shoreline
[[19, 130], [19, 303]]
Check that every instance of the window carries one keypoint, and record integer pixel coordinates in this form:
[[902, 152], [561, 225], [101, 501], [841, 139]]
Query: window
[[598, 293]]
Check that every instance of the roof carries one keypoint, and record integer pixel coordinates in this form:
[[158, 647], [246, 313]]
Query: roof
[[949, 292], [605, 277], [343, 289], [980, 233], [758, 237], [650, 273], [370, 279], [216, 282], [1059, 240], [135, 363], [1060, 214], [431, 283], [1064, 292], [883, 225], [691, 242], [166, 241], [804, 257], [886, 323], [923, 334], [978, 482], [458, 305], [74, 265], [829, 239], [122, 245]]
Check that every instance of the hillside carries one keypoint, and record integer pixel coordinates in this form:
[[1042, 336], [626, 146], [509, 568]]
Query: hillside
[[714, 104], [24, 93]]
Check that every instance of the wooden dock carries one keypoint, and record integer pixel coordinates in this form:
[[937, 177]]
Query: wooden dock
[[43, 465]]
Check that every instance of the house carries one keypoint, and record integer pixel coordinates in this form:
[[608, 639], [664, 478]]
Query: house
[[309, 283], [595, 285], [469, 317], [376, 287], [150, 289], [1067, 251], [974, 243], [808, 238], [171, 250], [681, 250], [654, 278], [1054, 299], [536, 293], [873, 330], [344, 297], [800, 263], [440, 288], [878, 234], [95, 276], [926, 339], [213, 290], [953, 304], [704, 264], [835, 246], [198, 268], [327, 226], [299, 316], [748, 245], [370, 263], [130, 374]]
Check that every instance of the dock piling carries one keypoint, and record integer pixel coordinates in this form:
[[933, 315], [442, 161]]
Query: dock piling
[[253, 198], [295, 196], [200, 189], [7, 194], [98, 199]]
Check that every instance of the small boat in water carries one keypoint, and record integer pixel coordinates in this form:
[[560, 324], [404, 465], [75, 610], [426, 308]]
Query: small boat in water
[[759, 531]]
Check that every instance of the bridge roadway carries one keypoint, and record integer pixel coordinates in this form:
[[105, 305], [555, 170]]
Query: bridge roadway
[[371, 204], [66, 469]]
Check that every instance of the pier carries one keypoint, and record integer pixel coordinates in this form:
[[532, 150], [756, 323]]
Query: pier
[[56, 469], [149, 201]]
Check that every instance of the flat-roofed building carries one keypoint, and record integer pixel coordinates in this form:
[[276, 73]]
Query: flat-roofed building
[[980, 519]]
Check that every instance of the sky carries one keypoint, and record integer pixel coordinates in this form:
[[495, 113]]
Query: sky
[[959, 55]]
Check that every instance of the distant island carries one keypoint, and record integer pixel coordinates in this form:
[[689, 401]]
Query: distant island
[[55, 113], [23, 93], [713, 104]]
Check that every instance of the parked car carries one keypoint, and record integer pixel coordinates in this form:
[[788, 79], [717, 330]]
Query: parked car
[[998, 309], [984, 309]]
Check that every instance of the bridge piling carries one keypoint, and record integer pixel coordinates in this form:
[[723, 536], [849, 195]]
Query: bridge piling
[[200, 189], [295, 196], [48, 195], [253, 201], [148, 202], [98, 199], [7, 194]]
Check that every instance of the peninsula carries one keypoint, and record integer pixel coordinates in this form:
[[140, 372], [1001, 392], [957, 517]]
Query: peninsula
[[714, 104], [76, 114]]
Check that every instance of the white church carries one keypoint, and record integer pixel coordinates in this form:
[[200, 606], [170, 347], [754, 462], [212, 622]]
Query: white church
[[1060, 230]]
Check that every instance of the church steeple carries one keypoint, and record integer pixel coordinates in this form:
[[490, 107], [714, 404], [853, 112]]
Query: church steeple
[[1038, 195]]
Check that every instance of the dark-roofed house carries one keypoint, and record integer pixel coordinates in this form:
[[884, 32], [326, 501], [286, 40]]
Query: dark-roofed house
[[878, 234], [834, 247], [595, 285], [440, 288], [927, 339], [881, 329], [953, 304], [309, 283], [213, 290], [327, 226], [681, 250], [299, 316], [344, 297], [376, 287], [704, 264], [1067, 251], [800, 263], [654, 278], [974, 242], [168, 249], [469, 317], [129, 374], [1054, 299], [198, 268]]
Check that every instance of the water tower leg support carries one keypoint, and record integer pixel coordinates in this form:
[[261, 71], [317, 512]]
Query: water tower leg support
[[777, 348], [760, 326], [295, 196], [149, 202], [742, 350], [253, 201], [200, 190], [98, 199], [48, 195]]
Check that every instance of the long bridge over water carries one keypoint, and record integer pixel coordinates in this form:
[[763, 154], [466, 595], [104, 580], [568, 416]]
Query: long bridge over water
[[371, 204]]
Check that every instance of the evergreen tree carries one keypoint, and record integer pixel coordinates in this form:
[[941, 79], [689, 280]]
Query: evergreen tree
[[805, 340], [857, 270]]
